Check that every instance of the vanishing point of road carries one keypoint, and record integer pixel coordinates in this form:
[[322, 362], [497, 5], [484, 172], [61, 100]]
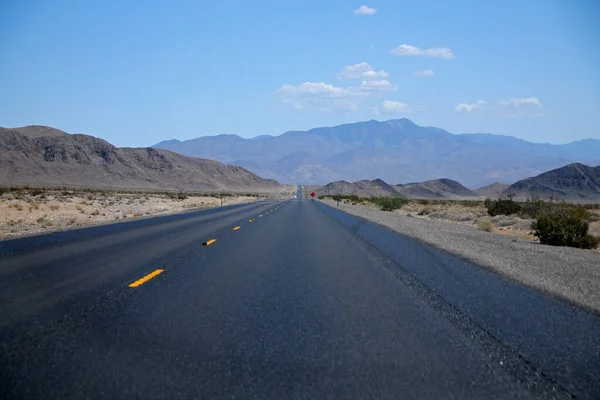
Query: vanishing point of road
[[276, 300]]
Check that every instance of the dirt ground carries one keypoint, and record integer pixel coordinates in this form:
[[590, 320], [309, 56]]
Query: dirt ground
[[25, 213]]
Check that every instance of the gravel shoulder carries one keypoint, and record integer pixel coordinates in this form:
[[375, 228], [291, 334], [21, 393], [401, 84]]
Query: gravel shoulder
[[567, 273]]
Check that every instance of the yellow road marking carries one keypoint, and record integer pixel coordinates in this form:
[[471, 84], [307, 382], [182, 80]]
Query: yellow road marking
[[250, 220], [236, 228], [211, 241], [260, 216], [146, 278]]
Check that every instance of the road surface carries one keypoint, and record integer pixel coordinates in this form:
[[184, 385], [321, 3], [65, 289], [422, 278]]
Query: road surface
[[271, 300]]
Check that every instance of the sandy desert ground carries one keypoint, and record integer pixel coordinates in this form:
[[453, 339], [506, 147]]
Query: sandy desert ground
[[28, 212]]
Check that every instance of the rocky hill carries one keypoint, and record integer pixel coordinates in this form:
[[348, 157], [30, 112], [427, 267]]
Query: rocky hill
[[37, 131], [435, 189], [572, 182], [81, 160], [364, 188], [492, 191]]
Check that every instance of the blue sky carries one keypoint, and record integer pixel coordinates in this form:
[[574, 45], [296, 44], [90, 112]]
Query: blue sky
[[135, 73]]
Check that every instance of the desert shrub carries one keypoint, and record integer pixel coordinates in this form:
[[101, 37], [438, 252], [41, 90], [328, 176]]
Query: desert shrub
[[37, 192], [3, 190], [532, 207], [564, 225], [425, 211], [503, 220], [95, 212], [502, 206], [389, 203], [485, 224], [54, 207]]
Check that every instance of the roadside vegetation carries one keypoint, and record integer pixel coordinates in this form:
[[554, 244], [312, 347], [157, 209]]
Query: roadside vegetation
[[552, 222], [557, 223]]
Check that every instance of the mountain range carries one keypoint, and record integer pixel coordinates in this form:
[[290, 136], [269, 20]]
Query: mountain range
[[439, 189], [37, 155], [573, 182], [395, 151]]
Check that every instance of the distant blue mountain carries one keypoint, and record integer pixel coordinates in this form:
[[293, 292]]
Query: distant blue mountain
[[396, 151], [261, 137]]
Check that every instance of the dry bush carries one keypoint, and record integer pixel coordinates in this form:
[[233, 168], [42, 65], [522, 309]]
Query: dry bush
[[462, 215], [425, 211], [523, 224], [138, 214], [42, 219], [503, 220], [485, 224], [72, 221], [54, 207], [79, 208], [95, 212]]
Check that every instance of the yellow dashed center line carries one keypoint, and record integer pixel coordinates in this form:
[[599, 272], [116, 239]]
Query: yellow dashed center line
[[236, 228], [260, 216], [211, 241], [146, 278], [250, 220]]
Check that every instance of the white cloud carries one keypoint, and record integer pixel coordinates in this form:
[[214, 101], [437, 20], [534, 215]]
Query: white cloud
[[393, 107], [436, 52], [365, 10], [362, 71], [512, 107], [521, 102], [464, 107], [424, 73], [327, 97], [378, 86], [319, 95]]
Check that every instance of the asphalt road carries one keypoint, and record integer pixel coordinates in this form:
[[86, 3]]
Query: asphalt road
[[293, 304]]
